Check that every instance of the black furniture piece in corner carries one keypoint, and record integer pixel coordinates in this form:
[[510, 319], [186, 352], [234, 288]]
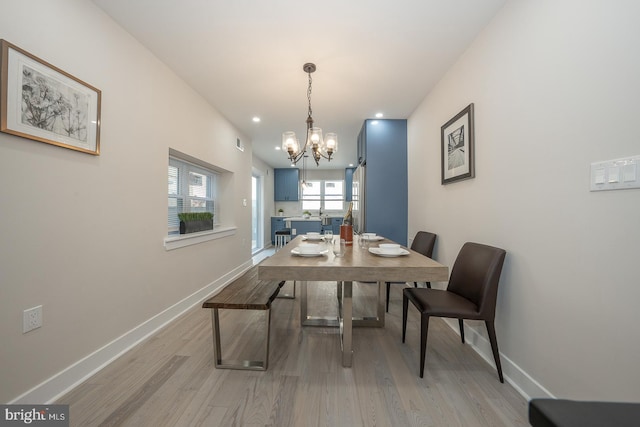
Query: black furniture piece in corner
[[423, 243], [571, 413], [471, 294]]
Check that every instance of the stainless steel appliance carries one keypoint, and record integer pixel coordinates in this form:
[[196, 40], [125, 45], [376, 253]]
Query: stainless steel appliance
[[357, 197]]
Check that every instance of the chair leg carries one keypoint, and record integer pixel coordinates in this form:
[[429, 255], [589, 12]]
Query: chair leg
[[494, 347], [461, 330], [415, 284], [424, 327], [388, 288], [405, 308], [429, 285]]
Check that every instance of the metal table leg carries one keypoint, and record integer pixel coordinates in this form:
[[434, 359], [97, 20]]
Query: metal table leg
[[332, 321], [345, 316]]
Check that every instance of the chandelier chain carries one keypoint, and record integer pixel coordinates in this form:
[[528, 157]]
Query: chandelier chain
[[309, 94], [320, 148]]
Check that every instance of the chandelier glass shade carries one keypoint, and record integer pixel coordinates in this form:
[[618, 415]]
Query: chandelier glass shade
[[314, 142]]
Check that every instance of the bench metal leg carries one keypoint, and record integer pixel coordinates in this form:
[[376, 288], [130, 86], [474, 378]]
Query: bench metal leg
[[252, 365]]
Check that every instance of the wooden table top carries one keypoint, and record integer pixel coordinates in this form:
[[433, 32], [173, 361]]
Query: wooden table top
[[357, 264]]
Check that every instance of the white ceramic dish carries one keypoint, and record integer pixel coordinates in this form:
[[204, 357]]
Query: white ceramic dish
[[372, 238], [312, 237], [377, 251], [296, 252], [389, 247], [309, 248]]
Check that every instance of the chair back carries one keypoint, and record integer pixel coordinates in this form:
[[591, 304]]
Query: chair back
[[475, 276], [423, 243]]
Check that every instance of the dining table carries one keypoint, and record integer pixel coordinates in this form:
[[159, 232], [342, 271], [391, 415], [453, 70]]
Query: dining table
[[358, 264]]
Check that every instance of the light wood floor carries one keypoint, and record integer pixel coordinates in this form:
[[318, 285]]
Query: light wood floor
[[170, 379]]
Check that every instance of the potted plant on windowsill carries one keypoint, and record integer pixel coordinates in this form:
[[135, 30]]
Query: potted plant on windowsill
[[306, 214], [280, 212], [192, 222]]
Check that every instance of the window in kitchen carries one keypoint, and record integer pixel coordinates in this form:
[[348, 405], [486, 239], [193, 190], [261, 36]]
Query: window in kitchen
[[192, 188], [327, 194]]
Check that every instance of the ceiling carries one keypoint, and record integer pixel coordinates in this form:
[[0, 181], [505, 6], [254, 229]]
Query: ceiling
[[245, 58]]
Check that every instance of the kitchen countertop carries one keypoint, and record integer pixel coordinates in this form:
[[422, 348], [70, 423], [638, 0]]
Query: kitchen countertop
[[299, 218]]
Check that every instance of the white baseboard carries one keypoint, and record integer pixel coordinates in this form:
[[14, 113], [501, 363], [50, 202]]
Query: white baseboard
[[55, 387], [513, 374]]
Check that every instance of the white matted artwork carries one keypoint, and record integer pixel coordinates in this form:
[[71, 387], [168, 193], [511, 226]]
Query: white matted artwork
[[457, 140], [41, 102]]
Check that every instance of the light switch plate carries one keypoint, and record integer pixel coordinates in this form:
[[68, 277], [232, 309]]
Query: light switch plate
[[618, 174]]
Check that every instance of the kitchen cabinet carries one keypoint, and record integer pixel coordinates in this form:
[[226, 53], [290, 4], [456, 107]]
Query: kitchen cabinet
[[361, 147], [305, 226], [277, 223], [286, 184], [335, 225], [382, 144]]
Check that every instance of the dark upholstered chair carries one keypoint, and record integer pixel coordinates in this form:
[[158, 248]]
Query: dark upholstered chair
[[471, 294], [423, 243]]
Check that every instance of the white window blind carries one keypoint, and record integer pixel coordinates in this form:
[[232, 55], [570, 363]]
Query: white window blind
[[328, 194], [192, 188]]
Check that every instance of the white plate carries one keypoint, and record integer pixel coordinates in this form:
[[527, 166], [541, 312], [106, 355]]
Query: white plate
[[313, 237], [372, 238], [295, 251], [377, 251]]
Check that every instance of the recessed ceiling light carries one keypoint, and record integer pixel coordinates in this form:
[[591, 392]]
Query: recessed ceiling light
[[350, 165], [277, 147], [379, 115], [256, 119]]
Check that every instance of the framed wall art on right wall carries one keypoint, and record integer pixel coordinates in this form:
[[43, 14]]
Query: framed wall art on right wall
[[457, 145]]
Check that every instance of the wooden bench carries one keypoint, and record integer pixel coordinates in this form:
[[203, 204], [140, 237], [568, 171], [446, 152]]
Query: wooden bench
[[244, 293]]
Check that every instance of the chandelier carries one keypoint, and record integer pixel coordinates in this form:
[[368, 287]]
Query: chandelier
[[319, 147]]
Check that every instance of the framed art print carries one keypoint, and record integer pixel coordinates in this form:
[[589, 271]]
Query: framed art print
[[457, 145], [41, 102]]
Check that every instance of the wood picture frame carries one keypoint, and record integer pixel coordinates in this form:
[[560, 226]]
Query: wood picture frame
[[41, 102], [458, 147]]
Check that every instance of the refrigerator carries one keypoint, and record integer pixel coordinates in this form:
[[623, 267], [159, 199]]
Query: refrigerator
[[377, 209], [357, 197]]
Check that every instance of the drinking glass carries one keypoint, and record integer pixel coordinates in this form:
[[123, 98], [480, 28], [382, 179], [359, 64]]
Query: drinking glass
[[364, 242], [339, 247], [328, 237]]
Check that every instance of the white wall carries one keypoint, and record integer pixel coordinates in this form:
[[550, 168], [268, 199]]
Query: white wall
[[266, 173], [83, 235], [555, 87]]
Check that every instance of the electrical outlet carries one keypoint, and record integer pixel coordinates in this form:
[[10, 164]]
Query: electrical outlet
[[31, 319]]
